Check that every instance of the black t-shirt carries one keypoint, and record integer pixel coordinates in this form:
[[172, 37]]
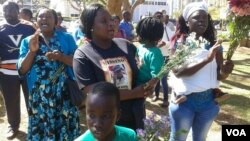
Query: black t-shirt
[[117, 65]]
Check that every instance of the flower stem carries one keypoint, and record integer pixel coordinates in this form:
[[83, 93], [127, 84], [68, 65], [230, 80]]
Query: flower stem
[[232, 47]]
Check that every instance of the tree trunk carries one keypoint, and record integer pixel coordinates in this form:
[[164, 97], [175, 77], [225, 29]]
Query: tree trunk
[[115, 7]]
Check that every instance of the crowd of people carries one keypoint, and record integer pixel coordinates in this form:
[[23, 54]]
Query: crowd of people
[[116, 75]]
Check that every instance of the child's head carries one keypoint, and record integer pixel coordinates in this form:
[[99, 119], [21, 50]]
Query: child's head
[[103, 110], [158, 15], [150, 30]]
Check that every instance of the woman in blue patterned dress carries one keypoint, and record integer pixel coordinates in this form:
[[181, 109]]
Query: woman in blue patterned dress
[[51, 114]]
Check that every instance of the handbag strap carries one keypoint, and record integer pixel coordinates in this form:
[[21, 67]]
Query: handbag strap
[[57, 73]]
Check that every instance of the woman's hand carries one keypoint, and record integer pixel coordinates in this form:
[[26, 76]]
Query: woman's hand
[[34, 42], [149, 87], [227, 67], [213, 50], [161, 44], [54, 56]]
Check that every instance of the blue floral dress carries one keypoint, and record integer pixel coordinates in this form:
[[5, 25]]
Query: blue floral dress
[[51, 114]]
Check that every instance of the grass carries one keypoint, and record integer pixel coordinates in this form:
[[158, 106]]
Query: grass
[[235, 110]]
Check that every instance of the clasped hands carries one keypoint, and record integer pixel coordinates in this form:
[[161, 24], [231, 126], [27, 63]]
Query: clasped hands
[[54, 55]]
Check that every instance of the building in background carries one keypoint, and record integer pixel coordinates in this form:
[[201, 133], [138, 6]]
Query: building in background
[[33, 5], [65, 8], [1, 11], [176, 6], [148, 8], [62, 6], [173, 7]]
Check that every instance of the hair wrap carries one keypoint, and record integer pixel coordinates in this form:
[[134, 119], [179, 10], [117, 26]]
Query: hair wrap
[[192, 7]]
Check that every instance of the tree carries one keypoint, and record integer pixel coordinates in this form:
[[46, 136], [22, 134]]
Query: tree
[[79, 4], [115, 7]]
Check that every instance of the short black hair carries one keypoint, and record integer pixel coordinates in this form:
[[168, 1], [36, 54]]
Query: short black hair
[[158, 12], [106, 89], [150, 30], [11, 4], [88, 16], [115, 17], [125, 13], [59, 14], [27, 12]]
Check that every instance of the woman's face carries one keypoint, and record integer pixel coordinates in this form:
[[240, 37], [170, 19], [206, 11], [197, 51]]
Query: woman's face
[[103, 27], [198, 22], [116, 23], [46, 21]]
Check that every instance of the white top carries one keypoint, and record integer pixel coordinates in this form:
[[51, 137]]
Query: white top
[[202, 80]]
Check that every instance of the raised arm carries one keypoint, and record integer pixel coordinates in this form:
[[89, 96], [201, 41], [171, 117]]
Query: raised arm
[[29, 58]]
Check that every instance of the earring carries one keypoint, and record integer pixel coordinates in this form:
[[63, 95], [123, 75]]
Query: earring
[[92, 30]]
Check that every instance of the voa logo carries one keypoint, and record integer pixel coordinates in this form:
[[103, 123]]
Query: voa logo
[[236, 132]]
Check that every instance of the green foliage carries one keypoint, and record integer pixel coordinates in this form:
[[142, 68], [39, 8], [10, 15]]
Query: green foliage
[[214, 12], [224, 36], [104, 2], [176, 14], [239, 29]]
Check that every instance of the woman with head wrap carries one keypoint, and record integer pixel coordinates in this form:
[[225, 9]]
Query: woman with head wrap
[[193, 105]]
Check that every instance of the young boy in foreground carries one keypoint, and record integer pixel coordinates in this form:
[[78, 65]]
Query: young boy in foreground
[[102, 112]]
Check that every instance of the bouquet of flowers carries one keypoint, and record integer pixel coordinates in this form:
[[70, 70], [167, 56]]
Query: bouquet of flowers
[[239, 27], [155, 127], [183, 53]]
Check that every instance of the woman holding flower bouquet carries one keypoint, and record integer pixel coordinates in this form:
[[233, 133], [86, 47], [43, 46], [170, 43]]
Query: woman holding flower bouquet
[[192, 103]]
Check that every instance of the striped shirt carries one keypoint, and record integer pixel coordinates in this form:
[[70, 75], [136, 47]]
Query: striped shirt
[[10, 39]]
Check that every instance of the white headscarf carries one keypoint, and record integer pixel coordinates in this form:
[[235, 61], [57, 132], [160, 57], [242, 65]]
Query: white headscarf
[[192, 7]]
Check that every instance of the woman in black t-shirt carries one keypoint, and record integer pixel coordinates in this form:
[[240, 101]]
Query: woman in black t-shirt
[[98, 59]]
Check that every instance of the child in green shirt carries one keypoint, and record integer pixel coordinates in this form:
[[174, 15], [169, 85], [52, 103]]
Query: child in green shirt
[[102, 112], [150, 32]]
